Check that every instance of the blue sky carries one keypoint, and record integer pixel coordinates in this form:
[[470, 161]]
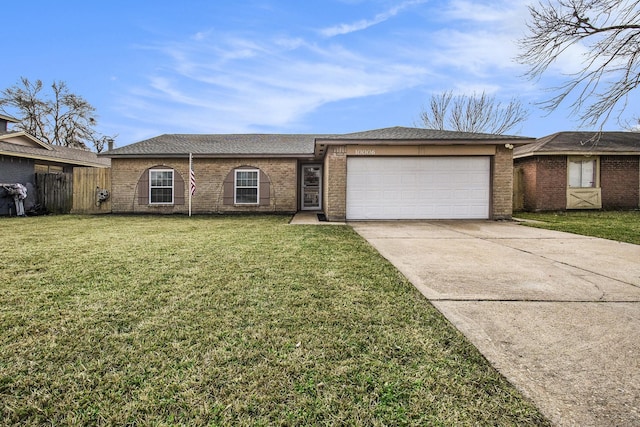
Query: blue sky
[[273, 66]]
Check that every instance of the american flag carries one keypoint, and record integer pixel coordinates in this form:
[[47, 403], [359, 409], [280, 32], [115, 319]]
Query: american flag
[[192, 177], [192, 182]]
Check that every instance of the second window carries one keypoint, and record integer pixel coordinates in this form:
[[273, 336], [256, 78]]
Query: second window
[[246, 186]]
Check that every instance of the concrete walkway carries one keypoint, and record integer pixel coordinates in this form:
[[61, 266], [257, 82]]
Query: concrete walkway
[[310, 218], [558, 314]]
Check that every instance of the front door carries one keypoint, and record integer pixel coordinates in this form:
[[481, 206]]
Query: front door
[[311, 187]]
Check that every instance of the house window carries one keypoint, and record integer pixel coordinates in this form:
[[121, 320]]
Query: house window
[[161, 186], [583, 172], [246, 186]]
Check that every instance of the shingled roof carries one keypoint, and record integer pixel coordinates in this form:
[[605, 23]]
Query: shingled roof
[[175, 145], [582, 143], [48, 152], [288, 145], [421, 134]]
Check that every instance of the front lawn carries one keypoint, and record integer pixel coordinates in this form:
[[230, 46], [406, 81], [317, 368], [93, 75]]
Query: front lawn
[[137, 320], [623, 226]]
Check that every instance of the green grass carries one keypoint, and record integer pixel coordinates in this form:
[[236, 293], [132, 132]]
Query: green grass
[[623, 226], [116, 320]]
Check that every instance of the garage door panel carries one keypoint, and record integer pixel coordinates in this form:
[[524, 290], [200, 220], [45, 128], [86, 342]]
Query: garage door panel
[[418, 187]]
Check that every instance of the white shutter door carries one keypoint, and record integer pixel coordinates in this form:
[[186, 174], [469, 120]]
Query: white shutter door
[[418, 187]]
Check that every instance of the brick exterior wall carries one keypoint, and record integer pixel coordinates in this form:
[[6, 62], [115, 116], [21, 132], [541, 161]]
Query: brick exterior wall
[[210, 174], [502, 184], [335, 183], [551, 185], [551, 188], [545, 182], [619, 180]]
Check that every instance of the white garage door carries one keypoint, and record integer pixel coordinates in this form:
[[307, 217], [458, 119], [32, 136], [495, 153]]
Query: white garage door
[[418, 187]]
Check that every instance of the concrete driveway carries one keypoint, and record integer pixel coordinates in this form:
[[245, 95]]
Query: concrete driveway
[[557, 314]]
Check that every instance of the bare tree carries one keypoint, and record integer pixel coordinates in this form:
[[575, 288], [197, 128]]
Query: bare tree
[[610, 69], [475, 113], [61, 118]]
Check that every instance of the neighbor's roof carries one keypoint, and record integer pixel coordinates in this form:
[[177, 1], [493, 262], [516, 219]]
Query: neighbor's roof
[[585, 142], [50, 153], [289, 145]]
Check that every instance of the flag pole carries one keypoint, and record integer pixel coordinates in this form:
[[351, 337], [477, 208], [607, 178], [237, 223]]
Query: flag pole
[[190, 180]]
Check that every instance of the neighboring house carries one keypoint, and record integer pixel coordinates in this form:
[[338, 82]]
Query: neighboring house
[[23, 155], [580, 170], [392, 173]]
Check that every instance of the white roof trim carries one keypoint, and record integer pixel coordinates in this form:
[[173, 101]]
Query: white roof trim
[[8, 118]]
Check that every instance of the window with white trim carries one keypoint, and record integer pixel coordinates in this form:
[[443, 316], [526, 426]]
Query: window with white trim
[[246, 186], [161, 186], [583, 172]]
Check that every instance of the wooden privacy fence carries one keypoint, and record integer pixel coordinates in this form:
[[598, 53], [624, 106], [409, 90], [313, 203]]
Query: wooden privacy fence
[[85, 191], [91, 190], [55, 191], [518, 190]]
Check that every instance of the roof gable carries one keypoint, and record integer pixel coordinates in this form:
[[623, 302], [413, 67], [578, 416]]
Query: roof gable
[[23, 138]]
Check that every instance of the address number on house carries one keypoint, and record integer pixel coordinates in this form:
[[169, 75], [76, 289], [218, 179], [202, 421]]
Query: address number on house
[[361, 152]]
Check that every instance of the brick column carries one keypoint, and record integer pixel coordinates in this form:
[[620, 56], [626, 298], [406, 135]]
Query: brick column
[[502, 186], [335, 183]]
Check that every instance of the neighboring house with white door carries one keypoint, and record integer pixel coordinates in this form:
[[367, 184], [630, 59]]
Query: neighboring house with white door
[[391, 173], [580, 170]]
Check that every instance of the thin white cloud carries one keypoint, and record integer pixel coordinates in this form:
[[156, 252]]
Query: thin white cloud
[[223, 87], [486, 11], [480, 53], [200, 35], [363, 24]]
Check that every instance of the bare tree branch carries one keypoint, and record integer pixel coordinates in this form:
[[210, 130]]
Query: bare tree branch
[[434, 118], [60, 119], [475, 113], [610, 69]]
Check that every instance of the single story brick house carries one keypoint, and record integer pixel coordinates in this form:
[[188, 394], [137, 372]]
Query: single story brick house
[[391, 173], [22, 156], [580, 170]]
